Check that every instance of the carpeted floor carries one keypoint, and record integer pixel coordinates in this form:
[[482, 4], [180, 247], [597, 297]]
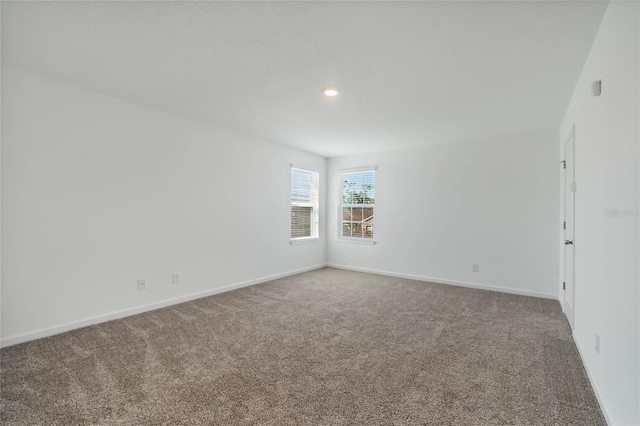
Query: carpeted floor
[[325, 347]]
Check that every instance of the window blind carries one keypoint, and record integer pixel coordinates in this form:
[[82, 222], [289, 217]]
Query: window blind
[[304, 203]]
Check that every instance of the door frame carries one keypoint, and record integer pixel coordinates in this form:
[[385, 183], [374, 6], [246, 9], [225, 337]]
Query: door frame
[[564, 193]]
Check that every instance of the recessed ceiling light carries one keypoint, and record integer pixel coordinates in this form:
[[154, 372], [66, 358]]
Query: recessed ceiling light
[[330, 91]]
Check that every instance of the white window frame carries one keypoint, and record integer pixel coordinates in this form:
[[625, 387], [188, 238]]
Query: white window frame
[[316, 208], [356, 240]]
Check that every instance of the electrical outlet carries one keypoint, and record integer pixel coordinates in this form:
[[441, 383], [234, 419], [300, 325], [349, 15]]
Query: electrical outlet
[[176, 277], [142, 284], [597, 344], [475, 267]]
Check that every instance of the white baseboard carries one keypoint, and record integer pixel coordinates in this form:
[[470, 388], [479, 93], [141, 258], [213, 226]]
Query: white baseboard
[[594, 385], [448, 282], [50, 331]]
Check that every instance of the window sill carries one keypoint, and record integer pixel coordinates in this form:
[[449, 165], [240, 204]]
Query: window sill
[[357, 241], [307, 240]]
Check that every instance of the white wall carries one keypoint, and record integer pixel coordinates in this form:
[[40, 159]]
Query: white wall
[[607, 251], [441, 208], [98, 192]]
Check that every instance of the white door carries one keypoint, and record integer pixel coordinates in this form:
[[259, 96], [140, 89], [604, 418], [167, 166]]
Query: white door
[[569, 208]]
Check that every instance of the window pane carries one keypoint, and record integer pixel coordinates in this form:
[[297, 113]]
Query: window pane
[[367, 222], [346, 213], [302, 182], [358, 188], [347, 188], [357, 214], [301, 221], [346, 229]]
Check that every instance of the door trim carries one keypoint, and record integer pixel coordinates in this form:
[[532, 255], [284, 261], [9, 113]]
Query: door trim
[[569, 313]]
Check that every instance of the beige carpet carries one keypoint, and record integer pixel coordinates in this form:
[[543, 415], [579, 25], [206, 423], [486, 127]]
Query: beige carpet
[[326, 347]]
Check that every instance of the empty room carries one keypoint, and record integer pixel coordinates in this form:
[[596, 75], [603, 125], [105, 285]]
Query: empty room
[[320, 213]]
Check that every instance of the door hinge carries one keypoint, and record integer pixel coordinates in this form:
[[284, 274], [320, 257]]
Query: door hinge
[[564, 164], [564, 286], [564, 225]]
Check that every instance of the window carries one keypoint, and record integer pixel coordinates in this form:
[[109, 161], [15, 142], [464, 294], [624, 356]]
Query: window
[[304, 203], [358, 204]]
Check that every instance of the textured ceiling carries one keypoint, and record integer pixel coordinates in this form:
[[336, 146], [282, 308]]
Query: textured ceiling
[[411, 73]]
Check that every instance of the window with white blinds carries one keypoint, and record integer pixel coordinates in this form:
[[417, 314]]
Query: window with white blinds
[[304, 203], [358, 202]]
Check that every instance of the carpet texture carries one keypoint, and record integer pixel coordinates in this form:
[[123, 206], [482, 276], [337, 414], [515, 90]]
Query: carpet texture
[[327, 347]]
